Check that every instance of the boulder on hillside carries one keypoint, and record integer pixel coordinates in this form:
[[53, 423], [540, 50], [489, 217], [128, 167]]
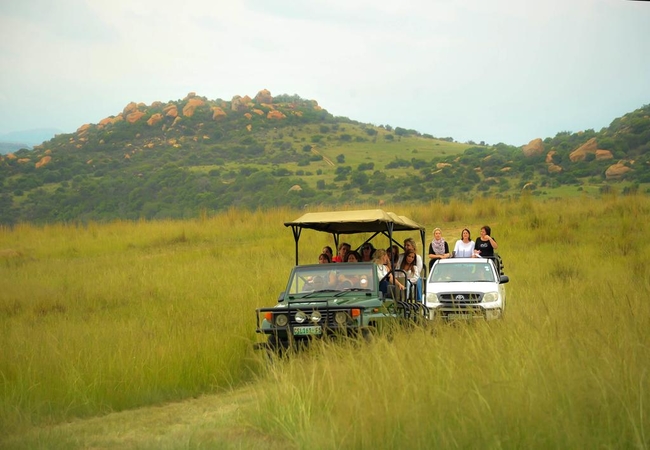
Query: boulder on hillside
[[109, 121], [238, 104], [154, 119], [44, 160], [259, 112], [134, 116], [275, 115], [191, 105], [581, 152], [264, 96], [83, 128], [171, 111], [128, 109], [533, 148], [603, 154], [549, 156], [218, 113], [554, 168], [617, 171]]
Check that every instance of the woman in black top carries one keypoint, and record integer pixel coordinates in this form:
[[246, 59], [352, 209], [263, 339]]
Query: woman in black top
[[485, 245]]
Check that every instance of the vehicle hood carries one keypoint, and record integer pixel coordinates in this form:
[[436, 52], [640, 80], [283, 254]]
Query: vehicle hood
[[349, 299]]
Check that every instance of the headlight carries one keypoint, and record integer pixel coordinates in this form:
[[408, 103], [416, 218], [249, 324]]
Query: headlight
[[301, 317], [316, 316], [432, 298], [281, 320], [340, 317], [491, 297]]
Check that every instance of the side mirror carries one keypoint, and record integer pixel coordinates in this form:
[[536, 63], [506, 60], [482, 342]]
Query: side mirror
[[503, 279], [281, 297]]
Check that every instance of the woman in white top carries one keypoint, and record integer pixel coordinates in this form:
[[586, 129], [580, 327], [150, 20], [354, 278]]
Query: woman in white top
[[464, 247], [381, 259], [409, 245]]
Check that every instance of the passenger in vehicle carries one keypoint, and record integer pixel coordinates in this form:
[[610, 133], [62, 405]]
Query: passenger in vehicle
[[352, 256], [324, 258], [393, 255], [318, 283], [409, 244], [409, 266], [327, 249], [343, 249], [485, 245], [464, 247], [384, 273], [367, 252], [438, 248], [484, 274]]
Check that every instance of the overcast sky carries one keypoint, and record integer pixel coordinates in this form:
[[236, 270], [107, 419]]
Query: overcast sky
[[494, 71]]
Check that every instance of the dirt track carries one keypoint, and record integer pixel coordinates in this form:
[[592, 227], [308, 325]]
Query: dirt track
[[325, 158]]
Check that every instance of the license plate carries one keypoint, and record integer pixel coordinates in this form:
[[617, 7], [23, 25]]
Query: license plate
[[459, 316], [301, 331]]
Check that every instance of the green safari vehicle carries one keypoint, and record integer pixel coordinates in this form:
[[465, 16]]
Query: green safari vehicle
[[338, 299]]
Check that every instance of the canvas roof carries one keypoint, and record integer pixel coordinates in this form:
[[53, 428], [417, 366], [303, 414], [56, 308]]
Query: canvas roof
[[349, 222]]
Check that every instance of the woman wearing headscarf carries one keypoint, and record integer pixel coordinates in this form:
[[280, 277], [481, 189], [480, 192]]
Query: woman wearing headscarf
[[438, 249]]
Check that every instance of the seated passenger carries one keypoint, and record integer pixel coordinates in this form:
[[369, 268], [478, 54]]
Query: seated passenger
[[409, 244], [318, 283], [324, 258], [327, 249], [409, 266], [384, 273], [352, 256], [367, 252], [343, 249]]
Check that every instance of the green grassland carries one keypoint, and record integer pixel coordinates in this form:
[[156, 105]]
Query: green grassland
[[139, 335]]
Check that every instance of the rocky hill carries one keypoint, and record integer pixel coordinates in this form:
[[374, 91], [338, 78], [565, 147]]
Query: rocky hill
[[179, 158]]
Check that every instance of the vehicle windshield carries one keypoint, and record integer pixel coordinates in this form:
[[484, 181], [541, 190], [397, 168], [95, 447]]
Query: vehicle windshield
[[332, 277], [462, 272]]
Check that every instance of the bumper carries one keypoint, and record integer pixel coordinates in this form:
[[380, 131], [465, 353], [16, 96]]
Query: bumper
[[465, 313]]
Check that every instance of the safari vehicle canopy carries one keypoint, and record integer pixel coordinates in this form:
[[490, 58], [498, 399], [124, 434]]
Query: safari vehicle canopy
[[374, 221]]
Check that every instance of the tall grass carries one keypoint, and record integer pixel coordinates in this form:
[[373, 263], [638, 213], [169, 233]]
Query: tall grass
[[568, 368], [101, 318]]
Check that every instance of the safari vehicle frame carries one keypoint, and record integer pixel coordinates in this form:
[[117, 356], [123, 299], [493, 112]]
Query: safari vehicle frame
[[301, 314], [375, 221]]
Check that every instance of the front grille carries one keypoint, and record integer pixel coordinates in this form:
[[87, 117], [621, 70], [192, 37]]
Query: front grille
[[326, 320], [461, 298]]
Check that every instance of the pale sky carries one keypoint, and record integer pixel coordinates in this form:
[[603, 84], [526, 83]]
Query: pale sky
[[495, 71]]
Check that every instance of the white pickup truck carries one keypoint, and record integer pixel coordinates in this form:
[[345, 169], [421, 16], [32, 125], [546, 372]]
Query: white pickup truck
[[466, 289]]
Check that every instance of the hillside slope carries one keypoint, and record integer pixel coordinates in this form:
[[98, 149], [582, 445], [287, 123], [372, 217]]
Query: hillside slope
[[176, 159]]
